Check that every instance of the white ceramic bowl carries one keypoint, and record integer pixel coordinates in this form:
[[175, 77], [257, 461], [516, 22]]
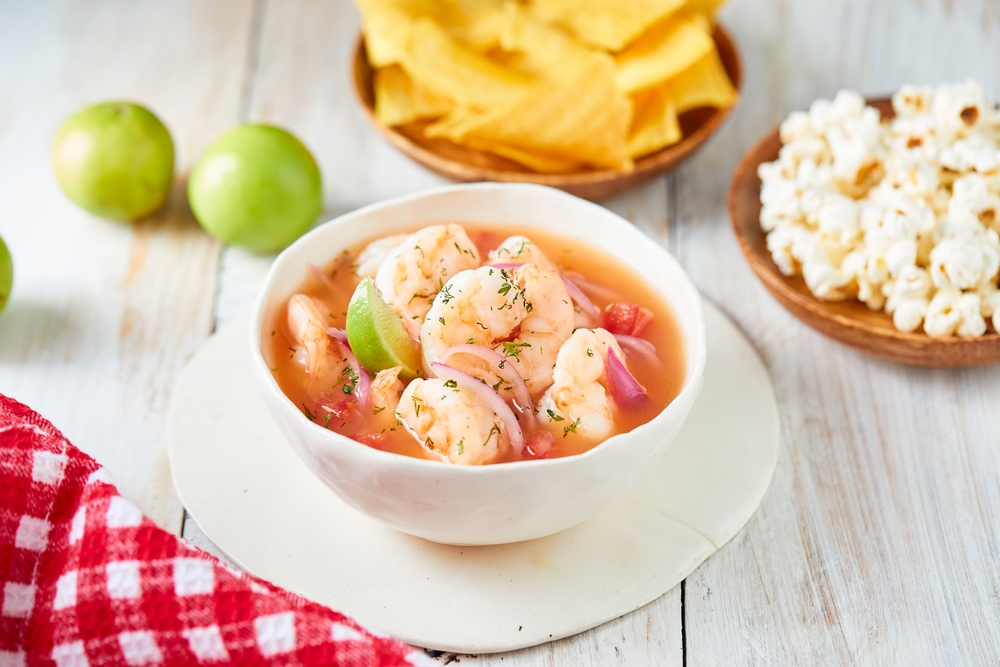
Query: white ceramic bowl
[[491, 504]]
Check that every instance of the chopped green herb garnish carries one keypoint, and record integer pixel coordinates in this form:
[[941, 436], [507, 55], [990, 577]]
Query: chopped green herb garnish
[[350, 379], [590, 352], [571, 428], [513, 348], [378, 410], [451, 384], [554, 417], [309, 415], [326, 420], [495, 429]]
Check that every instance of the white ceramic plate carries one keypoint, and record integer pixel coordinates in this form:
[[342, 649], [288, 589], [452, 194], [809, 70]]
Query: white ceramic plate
[[256, 500]]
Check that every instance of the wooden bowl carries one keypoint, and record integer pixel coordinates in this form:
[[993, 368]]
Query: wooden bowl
[[849, 322], [460, 163]]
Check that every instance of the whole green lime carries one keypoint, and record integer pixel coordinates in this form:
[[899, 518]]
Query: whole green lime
[[6, 273], [256, 187], [115, 160]]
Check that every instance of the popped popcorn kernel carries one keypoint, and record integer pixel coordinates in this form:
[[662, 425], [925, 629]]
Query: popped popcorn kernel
[[901, 214]]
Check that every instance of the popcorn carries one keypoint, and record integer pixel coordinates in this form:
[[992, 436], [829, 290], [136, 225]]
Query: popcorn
[[910, 101], [909, 314], [943, 316], [902, 215], [961, 108], [973, 201]]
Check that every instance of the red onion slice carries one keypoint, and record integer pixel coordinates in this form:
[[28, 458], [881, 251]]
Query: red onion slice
[[591, 287], [505, 371], [490, 397], [639, 346], [507, 266], [581, 299], [363, 386], [625, 390]]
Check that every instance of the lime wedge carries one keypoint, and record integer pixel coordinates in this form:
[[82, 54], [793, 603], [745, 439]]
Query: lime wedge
[[377, 336]]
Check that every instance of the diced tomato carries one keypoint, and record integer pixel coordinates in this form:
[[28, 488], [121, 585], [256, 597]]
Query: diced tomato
[[626, 318], [539, 443]]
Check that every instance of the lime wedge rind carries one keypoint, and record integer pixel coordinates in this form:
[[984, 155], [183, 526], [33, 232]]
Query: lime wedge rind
[[377, 336]]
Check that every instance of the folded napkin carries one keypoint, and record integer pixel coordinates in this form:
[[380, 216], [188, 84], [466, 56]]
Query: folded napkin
[[89, 581]]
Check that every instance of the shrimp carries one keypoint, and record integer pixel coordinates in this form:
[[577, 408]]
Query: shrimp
[[523, 313], [325, 362], [451, 423], [520, 250], [386, 389], [375, 253], [412, 274], [578, 400]]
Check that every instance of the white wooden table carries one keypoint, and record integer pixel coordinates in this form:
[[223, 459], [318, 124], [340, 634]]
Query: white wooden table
[[877, 542]]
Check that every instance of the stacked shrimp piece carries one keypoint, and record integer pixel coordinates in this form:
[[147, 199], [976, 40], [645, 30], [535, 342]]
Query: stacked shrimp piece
[[512, 353]]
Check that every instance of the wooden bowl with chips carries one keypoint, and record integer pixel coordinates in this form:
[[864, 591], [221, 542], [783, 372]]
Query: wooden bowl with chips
[[849, 322], [461, 163]]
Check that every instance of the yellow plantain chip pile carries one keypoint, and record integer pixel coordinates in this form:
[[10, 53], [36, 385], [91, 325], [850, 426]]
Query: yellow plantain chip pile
[[554, 85]]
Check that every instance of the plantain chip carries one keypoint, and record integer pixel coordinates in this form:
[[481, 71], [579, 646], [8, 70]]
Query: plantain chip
[[387, 23], [398, 101], [605, 24], [543, 50], [666, 50], [654, 123], [445, 67], [584, 120], [707, 7], [703, 84], [540, 162]]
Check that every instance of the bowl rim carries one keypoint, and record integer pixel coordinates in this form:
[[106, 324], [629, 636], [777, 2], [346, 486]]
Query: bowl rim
[[688, 392]]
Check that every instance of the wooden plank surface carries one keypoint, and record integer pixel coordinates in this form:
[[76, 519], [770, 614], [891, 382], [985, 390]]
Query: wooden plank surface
[[877, 542], [104, 315]]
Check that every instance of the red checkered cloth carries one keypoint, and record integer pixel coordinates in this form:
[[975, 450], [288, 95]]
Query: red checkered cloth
[[89, 581]]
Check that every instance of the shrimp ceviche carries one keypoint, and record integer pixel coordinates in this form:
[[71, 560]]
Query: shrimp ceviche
[[471, 345]]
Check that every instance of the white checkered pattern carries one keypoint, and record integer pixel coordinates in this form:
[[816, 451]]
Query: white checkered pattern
[[123, 514], [79, 523], [18, 600], [123, 579], [72, 654], [275, 633], [32, 534], [139, 648], [206, 643], [193, 576], [47, 467], [65, 591]]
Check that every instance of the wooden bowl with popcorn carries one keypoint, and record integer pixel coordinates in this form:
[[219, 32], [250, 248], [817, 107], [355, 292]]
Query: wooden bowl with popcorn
[[876, 222]]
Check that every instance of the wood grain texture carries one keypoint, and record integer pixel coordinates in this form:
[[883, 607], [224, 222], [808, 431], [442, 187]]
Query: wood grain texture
[[103, 315], [464, 164], [877, 542], [850, 321]]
